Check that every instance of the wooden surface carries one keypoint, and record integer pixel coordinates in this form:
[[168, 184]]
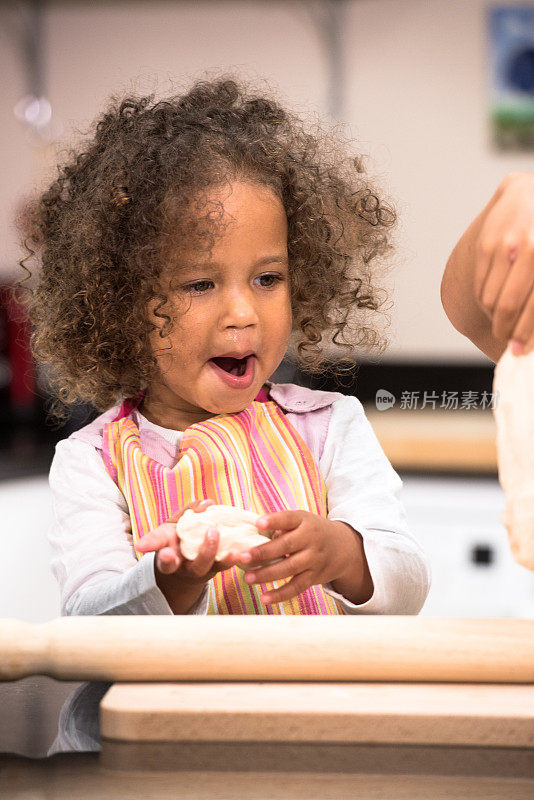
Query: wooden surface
[[374, 713], [270, 648], [83, 777], [310, 758], [455, 440], [474, 730]]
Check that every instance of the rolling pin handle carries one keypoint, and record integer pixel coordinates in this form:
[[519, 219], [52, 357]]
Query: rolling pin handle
[[23, 648]]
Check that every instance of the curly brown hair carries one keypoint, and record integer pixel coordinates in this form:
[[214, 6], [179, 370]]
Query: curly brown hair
[[101, 232]]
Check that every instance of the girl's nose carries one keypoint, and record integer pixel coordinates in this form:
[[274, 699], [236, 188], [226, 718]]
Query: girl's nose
[[238, 309]]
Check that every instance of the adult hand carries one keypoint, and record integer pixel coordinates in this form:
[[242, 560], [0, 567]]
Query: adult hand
[[504, 270]]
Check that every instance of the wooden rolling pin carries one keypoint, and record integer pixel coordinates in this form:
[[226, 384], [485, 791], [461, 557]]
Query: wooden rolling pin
[[270, 648]]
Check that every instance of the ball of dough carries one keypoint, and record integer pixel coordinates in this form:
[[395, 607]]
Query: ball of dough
[[236, 527]]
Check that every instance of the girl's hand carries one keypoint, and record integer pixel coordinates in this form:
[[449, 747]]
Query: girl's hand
[[504, 267], [318, 551], [169, 559]]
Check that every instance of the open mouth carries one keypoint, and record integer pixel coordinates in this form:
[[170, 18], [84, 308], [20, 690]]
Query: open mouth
[[234, 366]]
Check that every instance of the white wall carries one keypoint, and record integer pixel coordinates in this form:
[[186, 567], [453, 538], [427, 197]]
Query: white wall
[[418, 99], [416, 102]]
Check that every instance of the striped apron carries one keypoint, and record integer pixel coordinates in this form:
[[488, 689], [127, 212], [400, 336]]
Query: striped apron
[[254, 459]]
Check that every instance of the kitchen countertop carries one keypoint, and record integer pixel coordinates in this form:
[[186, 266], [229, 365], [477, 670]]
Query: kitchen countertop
[[441, 441]]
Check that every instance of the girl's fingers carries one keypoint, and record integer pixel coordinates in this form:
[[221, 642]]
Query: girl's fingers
[[233, 557], [167, 561], [206, 554], [285, 544], [196, 505], [164, 536], [201, 505], [280, 520], [298, 584], [283, 569]]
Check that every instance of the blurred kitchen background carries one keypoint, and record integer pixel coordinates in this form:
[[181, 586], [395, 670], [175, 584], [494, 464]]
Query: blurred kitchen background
[[422, 87]]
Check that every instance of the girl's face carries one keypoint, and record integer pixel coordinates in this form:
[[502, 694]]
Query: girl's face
[[232, 304]]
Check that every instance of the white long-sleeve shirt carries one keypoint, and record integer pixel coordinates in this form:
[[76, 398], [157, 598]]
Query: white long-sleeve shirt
[[98, 572]]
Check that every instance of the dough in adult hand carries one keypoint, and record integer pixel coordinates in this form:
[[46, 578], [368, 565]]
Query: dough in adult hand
[[513, 387], [236, 527]]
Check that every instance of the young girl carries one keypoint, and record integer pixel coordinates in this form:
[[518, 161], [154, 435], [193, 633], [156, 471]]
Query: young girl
[[180, 249]]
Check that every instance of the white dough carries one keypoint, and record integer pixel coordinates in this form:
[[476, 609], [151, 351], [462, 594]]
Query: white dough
[[236, 527], [513, 388]]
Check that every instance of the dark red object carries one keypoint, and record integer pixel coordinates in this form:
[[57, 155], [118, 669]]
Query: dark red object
[[15, 349]]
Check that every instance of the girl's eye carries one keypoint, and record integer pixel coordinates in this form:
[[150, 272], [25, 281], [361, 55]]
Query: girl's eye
[[200, 287], [196, 288], [274, 278]]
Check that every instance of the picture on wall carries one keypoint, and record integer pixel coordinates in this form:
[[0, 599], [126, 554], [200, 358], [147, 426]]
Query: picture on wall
[[512, 76]]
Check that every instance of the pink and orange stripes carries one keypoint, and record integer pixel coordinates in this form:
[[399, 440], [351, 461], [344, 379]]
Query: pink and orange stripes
[[254, 459]]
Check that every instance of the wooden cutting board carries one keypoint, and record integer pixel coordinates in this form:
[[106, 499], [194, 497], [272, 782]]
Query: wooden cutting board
[[391, 713], [448, 729]]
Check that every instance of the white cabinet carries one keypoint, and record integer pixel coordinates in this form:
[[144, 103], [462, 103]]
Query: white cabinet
[[28, 589], [458, 523]]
